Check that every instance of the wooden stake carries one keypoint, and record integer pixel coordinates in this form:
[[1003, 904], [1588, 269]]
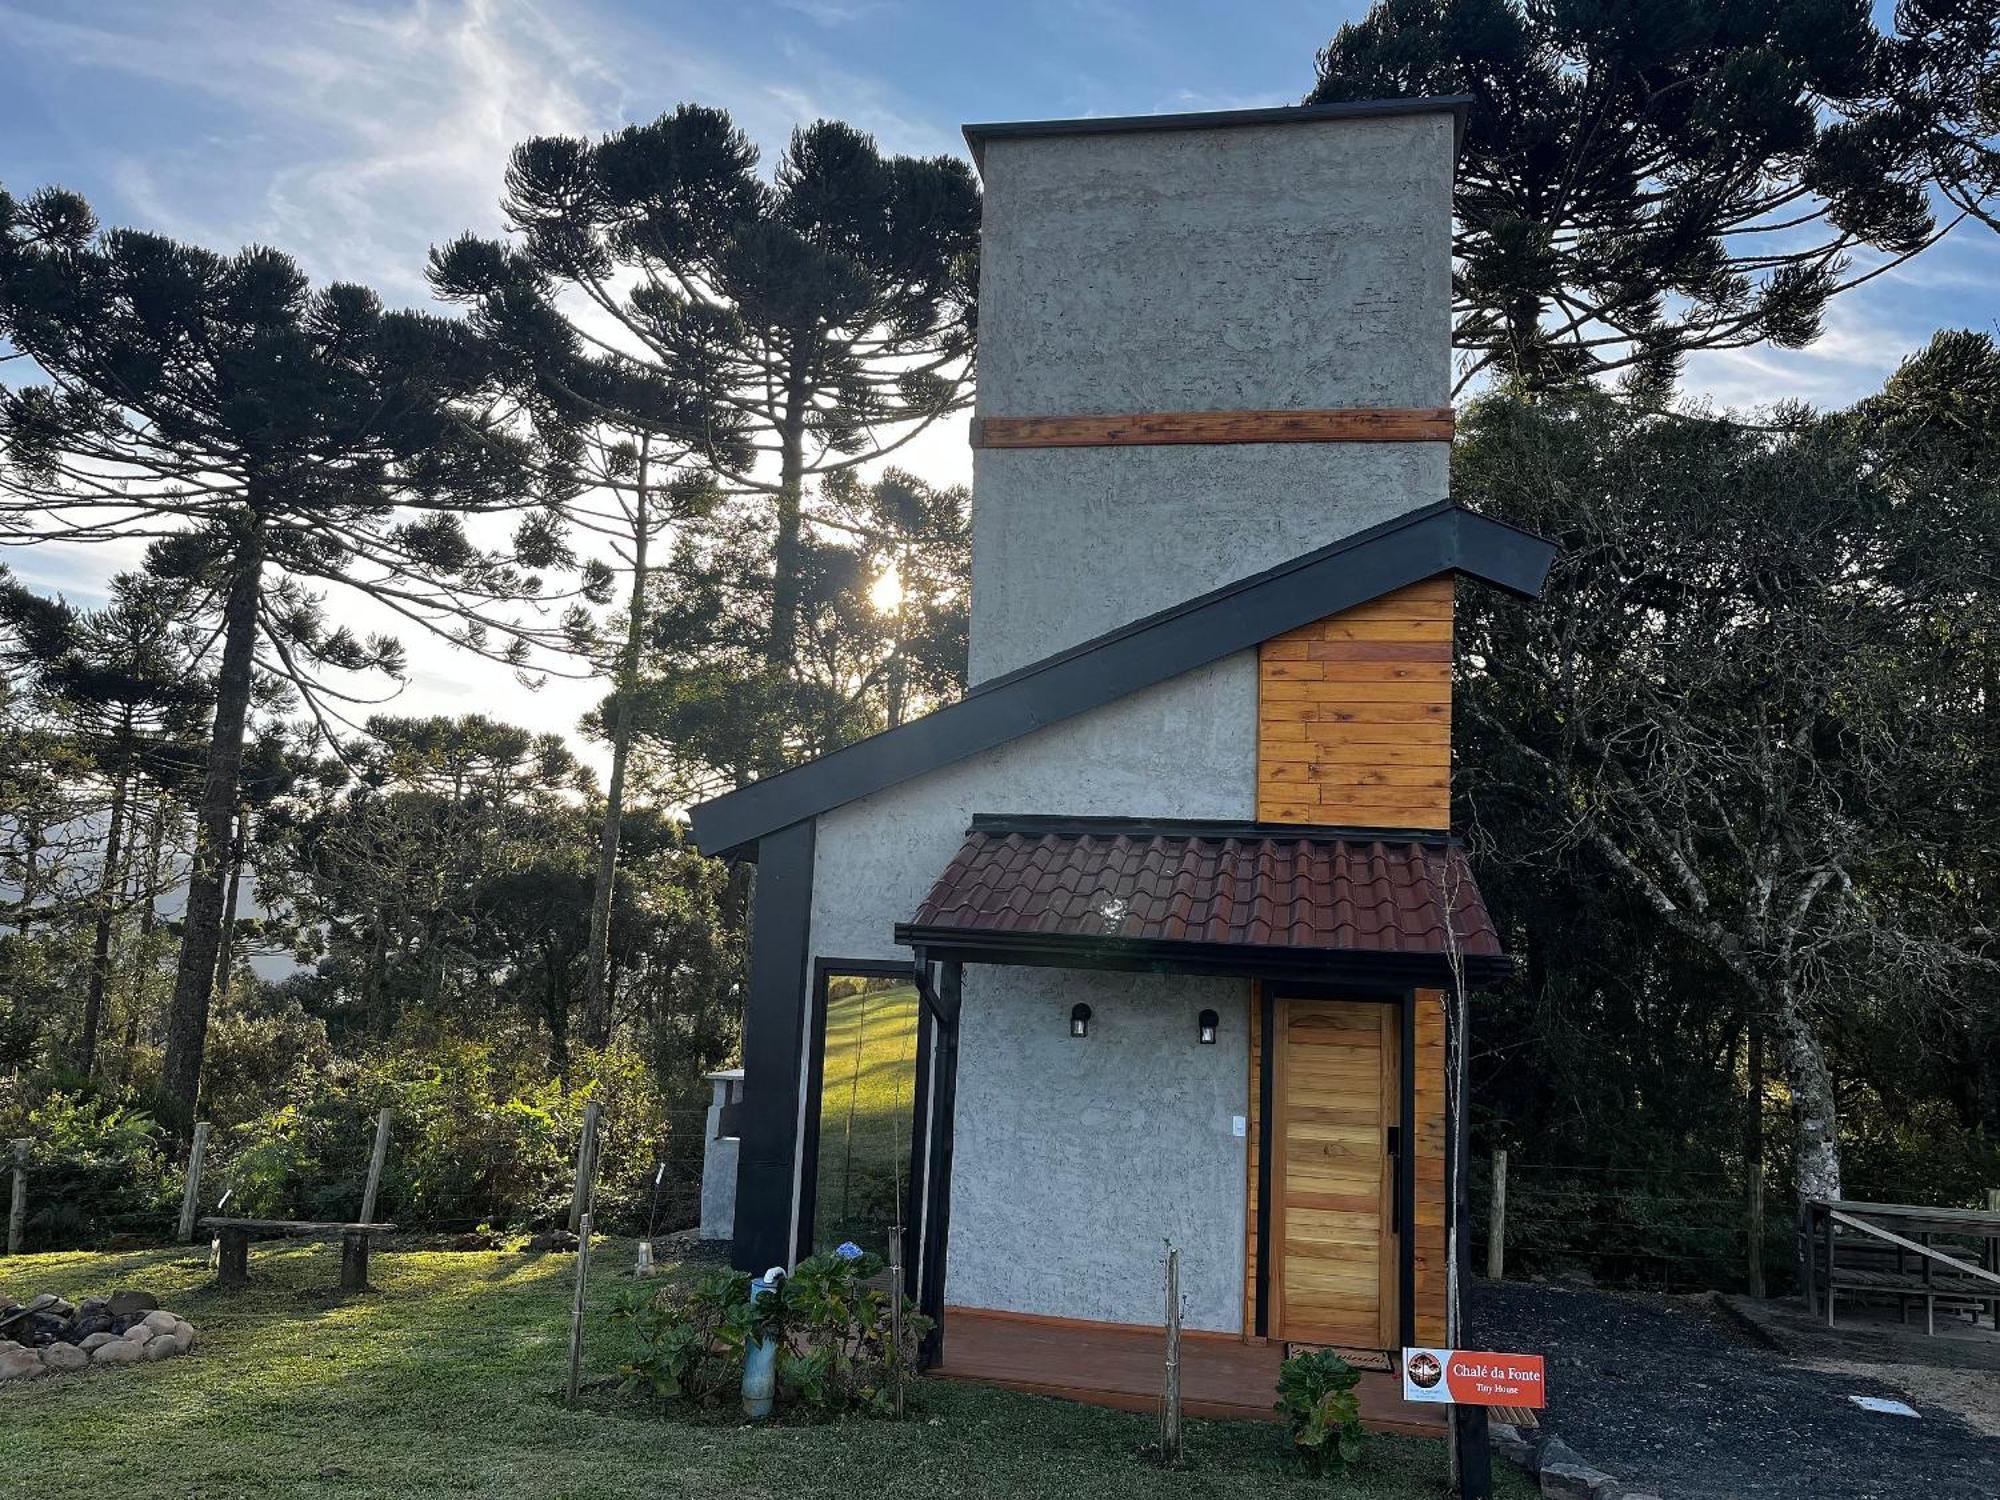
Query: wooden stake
[[17, 1214], [375, 1164], [896, 1314], [1170, 1411], [191, 1194], [586, 1169], [576, 1305], [1757, 1230], [1496, 1221]]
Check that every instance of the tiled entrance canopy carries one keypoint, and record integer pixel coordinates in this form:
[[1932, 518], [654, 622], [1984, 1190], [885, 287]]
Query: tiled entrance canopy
[[1248, 897]]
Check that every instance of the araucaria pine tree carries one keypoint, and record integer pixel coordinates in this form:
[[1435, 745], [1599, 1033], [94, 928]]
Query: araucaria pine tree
[[267, 442]]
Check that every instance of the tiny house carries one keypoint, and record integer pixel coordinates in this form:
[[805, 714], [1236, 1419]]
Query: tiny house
[[1149, 939]]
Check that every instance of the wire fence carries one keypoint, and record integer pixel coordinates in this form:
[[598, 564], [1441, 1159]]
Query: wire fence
[[647, 1181], [1659, 1228]]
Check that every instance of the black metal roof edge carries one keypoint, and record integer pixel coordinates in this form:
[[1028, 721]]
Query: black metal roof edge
[[1200, 828], [1069, 949], [1433, 539], [979, 133]]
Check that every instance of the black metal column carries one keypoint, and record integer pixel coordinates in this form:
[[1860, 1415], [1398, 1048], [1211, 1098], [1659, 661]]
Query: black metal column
[[774, 1025]]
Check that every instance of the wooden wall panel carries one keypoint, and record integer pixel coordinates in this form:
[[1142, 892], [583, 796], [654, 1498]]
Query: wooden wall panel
[[1354, 715], [1430, 1143]]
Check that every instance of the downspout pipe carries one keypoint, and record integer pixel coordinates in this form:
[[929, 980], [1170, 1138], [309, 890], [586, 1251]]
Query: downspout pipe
[[760, 1361]]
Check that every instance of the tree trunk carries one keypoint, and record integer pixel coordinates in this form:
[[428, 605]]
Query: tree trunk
[[782, 645], [201, 936], [225, 950], [110, 881], [597, 979], [147, 895], [1815, 1114]]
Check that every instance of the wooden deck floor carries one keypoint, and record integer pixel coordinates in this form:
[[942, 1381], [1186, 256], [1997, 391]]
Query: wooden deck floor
[[1120, 1365]]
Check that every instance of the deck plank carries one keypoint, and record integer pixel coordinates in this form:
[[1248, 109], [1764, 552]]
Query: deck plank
[[1122, 1365]]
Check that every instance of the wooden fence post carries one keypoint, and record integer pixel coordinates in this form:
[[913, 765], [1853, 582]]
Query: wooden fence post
[[17, 1213], [1993, 1200], [1496, 1221], [1757, 1230], [1170, 1409], [191, 1194], [586, 1170], [375, 1163], [576, 1306]]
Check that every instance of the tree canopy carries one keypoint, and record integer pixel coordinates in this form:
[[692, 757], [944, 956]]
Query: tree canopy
[[1640, 181]]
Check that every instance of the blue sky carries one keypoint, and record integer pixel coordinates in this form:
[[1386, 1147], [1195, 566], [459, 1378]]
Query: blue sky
[[355, 135]]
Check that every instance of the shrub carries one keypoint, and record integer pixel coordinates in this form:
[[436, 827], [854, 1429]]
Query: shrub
[[839, 1354], [836, 1354], [691, 1343], [1316, 1396]]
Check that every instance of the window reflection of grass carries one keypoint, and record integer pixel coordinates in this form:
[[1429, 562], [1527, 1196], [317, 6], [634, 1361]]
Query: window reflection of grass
[[865, 1102]]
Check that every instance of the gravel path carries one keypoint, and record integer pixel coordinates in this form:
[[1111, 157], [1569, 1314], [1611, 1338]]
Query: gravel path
[[1664, 1393]]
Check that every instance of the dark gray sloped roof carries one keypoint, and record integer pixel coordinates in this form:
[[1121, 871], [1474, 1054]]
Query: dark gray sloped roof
[[1433, 539]]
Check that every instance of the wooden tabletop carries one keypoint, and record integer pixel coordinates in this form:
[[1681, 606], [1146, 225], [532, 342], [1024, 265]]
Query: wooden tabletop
[[1976, 1220], [295, 1226]]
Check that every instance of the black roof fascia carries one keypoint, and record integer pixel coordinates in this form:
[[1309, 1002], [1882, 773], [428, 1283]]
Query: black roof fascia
[[1107, 825], [1433, 539], [1167, 956], [977, 135]]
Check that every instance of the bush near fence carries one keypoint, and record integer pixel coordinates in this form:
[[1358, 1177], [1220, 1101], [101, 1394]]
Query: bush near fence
[[477, 1142]]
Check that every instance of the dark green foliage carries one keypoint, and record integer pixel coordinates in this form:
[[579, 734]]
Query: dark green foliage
[[1624, 167], [1732, 785], [1316, 1397], [690, 1343], [836, 1355]]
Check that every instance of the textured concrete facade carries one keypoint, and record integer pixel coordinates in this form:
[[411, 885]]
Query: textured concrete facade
[[1074, 1161], [1296, 266]]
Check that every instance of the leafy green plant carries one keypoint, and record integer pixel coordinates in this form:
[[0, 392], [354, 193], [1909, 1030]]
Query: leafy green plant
[[840, 1353], [836, 1355], [1316, 1396], [690, 1342]]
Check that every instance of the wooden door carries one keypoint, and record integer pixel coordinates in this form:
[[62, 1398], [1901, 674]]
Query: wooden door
[[1335, 1098]]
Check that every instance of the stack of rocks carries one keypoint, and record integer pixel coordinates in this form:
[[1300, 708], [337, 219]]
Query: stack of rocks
[[52, 1336]]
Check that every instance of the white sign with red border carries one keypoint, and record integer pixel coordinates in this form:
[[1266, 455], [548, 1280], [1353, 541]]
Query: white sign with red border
[[1472, 1377]]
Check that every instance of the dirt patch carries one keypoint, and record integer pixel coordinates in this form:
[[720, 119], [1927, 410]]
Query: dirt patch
[[1669, 1393]]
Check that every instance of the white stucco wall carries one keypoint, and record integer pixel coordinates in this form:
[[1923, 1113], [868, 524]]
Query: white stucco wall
[[1074, 1160]]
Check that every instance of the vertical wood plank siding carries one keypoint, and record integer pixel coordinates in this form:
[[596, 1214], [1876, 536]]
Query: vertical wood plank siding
[[1354, 715], [1354, 730]]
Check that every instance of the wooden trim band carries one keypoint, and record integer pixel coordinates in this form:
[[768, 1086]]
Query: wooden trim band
[[1415, 424]]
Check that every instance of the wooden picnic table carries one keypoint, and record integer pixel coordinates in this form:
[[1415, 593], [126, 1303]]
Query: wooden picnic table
[[1880, 1240], [236, 1235]]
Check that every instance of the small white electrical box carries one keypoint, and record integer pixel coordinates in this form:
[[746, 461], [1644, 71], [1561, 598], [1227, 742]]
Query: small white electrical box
[[1238, 1125]]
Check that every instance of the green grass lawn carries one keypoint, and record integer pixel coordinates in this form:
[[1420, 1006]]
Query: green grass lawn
[[446, 1382]]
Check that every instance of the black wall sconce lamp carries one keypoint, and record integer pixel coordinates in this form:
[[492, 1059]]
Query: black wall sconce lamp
[[1079, 1020], [1207, 1026]]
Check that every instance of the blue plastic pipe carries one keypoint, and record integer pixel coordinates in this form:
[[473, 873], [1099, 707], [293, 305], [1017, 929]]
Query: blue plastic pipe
[[760, 1362]]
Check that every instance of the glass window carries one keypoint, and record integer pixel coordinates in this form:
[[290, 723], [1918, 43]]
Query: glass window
[[865, 1111]]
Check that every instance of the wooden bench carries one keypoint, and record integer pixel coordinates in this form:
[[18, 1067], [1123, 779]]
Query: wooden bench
[[236, 1235]]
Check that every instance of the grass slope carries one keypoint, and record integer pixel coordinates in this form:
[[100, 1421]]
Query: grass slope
[[445, 1383]]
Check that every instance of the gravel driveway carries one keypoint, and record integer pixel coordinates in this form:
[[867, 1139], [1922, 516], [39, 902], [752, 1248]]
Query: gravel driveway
[[1668, 1394]]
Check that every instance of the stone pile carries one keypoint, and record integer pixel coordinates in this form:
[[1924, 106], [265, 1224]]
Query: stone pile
[[50, 1336]]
